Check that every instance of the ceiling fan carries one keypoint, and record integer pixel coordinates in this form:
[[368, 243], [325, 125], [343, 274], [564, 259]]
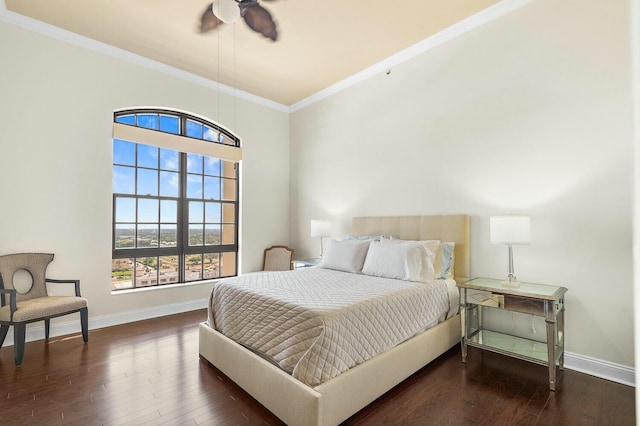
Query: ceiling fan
[[226, 11]]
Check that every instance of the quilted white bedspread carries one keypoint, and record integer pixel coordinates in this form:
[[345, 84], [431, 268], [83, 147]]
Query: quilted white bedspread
[[317, 323]]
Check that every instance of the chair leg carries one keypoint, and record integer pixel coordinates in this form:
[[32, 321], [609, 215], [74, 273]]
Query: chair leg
[[47, 323], [4, 329], [84, 322], [19, 331]]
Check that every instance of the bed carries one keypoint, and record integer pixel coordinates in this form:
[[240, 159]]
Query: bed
[[329, 400]]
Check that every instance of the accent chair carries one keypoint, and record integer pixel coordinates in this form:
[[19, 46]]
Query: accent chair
[[278, 258], [20, 306]]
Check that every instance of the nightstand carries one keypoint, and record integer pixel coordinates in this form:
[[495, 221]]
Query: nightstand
[[546, 301], [305, 263]]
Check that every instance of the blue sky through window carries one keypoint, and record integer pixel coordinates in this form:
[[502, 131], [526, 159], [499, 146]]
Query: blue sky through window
[[157, 174]]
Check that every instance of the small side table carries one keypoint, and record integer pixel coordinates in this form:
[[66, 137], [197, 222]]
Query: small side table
[[534, 299], [305, 263]]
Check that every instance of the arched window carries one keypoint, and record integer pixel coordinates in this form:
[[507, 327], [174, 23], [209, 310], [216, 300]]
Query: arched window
[[175, 199]]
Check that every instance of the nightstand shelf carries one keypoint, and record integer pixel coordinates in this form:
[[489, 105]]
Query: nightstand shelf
[[546, 301], [517, 347]]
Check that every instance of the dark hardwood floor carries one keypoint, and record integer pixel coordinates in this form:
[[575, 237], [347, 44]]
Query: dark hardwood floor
[[149, 373]]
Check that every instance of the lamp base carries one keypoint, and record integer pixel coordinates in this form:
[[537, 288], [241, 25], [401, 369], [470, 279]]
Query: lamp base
[[507, 283]]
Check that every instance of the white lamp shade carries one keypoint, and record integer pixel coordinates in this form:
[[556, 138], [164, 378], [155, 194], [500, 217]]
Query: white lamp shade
[[226, 10], [320, 228], [511, 229]]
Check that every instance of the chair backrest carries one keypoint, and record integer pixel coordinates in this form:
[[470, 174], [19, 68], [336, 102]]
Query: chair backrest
[[34, 263], [277, 258]]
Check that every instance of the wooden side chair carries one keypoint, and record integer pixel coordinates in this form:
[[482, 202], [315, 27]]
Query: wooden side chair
[[277, 258], [18, 308]]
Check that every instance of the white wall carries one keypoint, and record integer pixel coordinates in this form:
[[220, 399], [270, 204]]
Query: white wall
[[56, 114], [530, 113], [635, 72]]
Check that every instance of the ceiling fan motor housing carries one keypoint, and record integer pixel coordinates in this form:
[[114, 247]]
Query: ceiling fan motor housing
[[226, 10]]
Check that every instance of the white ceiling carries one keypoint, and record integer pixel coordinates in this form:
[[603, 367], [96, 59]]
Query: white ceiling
[[321, 42]]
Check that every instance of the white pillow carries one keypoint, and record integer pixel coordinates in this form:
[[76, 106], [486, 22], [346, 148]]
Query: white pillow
[[433, 246], [401, 260], [345, 255]]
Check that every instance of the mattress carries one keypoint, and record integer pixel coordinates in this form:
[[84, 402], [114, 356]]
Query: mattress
[[316, 323]]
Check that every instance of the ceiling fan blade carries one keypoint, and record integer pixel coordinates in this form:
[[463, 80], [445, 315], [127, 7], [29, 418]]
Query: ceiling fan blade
[[209, 21], [258, 19]]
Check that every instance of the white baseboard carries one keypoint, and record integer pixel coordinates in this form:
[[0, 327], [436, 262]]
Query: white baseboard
[[35, 331], [604, 369], [584, 364]]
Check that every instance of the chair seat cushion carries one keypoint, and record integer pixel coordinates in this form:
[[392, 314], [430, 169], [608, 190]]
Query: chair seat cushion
[[42, 307]]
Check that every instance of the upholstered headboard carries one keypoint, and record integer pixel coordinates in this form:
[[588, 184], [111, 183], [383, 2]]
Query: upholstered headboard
[[446, 228]]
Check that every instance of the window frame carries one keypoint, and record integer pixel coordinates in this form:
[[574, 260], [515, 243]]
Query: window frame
[[182, 249]]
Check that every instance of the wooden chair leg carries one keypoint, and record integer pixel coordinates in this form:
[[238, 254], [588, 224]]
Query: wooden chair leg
[[19, 331], [84, 322], [4, 329], [47, 323]]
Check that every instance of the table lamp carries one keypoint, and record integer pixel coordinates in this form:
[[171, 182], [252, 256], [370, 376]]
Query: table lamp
[[510, 230], [321, 229]]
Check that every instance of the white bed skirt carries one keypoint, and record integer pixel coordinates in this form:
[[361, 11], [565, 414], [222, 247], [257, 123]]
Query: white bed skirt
[[337, 399]]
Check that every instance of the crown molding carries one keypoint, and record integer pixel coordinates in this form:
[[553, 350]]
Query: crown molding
[[487, 15], [124, 55]]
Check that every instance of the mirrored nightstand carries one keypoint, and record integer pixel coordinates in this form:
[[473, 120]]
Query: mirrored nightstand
[[545, 301], [305, 263]]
